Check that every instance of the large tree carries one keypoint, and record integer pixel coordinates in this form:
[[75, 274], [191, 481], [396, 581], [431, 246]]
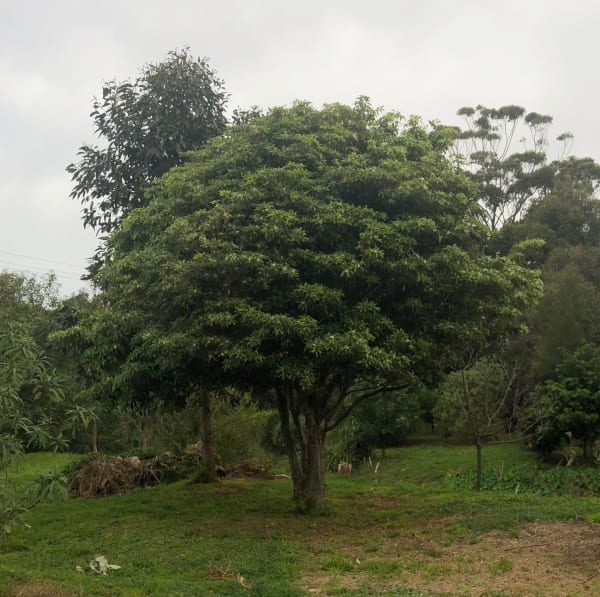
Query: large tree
[[327, 256], [144, 127]]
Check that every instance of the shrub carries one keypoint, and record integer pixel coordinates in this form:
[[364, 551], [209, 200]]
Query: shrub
[[239, 430], [524, 478], [568, 404]]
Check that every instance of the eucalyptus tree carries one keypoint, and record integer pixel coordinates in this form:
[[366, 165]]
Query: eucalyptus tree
[[510, 180], [326, 256]]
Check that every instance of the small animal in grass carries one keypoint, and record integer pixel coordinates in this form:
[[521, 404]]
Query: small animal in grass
[[345, 468]]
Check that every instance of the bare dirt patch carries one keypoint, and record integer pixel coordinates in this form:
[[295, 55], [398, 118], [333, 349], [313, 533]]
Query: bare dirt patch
[[544, 560], [540, 560]]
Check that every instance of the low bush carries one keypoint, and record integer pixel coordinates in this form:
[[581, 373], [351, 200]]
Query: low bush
[[239, 429], [524, 478]]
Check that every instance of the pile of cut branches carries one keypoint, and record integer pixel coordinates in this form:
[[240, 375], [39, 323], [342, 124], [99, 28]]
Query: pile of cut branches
[[245, 470], [102, 477]]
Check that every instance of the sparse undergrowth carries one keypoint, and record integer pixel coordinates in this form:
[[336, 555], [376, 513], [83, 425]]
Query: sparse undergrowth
[[401, 532]]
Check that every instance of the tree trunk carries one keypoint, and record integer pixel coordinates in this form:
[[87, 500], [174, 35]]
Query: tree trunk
[[306, 452], [146, 433], [311, 490], [289, 442], [94, 436], [479, 466], [209, 458]]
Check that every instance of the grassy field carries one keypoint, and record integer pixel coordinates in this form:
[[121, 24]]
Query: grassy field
[[401, 532]]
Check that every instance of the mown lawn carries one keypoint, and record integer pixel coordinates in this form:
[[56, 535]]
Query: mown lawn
[[397, 533]]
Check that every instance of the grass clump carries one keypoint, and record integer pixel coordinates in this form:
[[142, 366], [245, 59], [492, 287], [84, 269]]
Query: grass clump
[[502, 566]]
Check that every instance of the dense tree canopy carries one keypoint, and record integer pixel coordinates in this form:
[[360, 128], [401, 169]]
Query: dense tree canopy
[[323, 255]]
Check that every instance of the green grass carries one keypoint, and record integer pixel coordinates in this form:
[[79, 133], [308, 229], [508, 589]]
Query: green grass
[[31, 466], [188, 539], [180, 539]]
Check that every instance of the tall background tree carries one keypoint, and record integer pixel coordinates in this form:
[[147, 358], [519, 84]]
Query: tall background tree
[[545, 212], [510, 181], [145, 126]]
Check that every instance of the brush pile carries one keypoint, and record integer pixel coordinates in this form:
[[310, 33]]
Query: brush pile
[[100, 478], [245, 470]]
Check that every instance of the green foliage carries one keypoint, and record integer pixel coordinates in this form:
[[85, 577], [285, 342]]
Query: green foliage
[[342, 444], [482, 404], [568, 404], [569, 216], [29, 389], [141, 428], [146, 126], [559, 234], [386, 421], [565, 319], [518, 478], [32, 391], [29, 301], [271, 438], [316, 254], [238, 431], [507, 182]]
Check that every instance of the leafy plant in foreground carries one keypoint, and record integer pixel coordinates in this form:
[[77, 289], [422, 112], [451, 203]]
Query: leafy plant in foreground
[[27, 387]]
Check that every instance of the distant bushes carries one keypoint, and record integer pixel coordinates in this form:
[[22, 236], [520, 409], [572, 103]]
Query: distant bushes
[[527, 478], [242, 431]]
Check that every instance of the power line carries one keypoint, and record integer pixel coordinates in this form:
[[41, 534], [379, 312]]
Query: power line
[[42, 259], [24, 268]]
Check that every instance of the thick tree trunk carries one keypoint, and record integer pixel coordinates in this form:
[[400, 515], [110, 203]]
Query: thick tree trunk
[[306, 453], [311, 490], [209, 458]]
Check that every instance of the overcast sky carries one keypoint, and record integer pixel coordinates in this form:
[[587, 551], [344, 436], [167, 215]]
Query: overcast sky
[[426, 57]]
